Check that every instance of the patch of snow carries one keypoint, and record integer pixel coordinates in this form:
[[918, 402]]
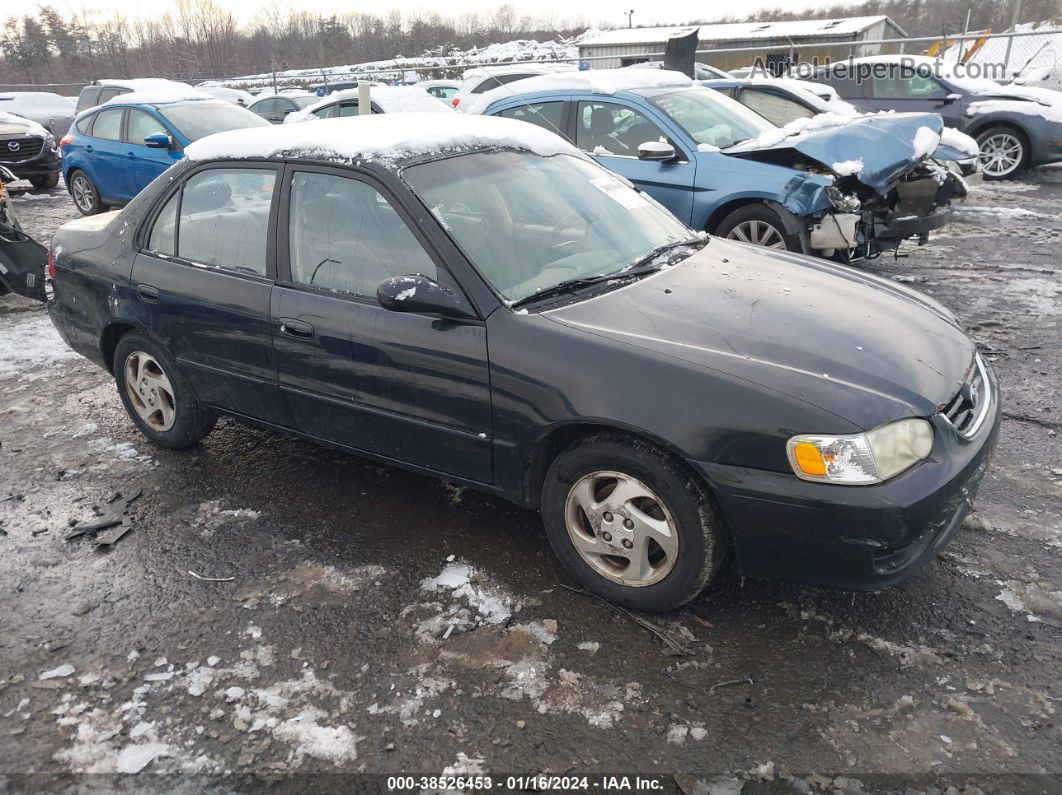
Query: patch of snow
[[457, 578], [595, 81], [160, 96], [32, 127], [335, 744], [1004, 213], [402, 296], [32, 344], [589, 646], [949, 136], [384, 136], [925, 142], [134, 758], [848, 167], [57, 673]]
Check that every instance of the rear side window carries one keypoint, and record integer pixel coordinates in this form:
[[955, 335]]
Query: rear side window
[[541, 114], [224, 218], [87, 98], [500, 80], [84, 126], [108, 125], [109, 93], [773, 107]]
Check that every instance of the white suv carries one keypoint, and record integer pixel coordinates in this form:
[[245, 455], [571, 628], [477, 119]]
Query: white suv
[[484, 78]]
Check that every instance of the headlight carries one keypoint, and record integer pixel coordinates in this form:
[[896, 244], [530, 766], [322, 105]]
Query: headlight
[[844, 202], [863, 458]]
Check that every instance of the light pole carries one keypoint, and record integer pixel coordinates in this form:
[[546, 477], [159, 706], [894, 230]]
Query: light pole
[[630, 17]]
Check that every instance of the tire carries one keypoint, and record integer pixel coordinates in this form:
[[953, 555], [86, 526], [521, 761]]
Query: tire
[[46, 182], [758, 222], [678, 502], [1004, 152], [185, 421], [84, 193]]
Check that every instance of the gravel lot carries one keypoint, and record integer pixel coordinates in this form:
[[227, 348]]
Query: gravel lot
[[320, 651]]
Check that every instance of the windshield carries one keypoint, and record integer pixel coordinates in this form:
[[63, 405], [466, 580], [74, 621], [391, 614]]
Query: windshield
[[710, 118], [195, 120], [529, 222]]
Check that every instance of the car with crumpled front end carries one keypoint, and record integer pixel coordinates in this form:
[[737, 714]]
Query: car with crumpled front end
[[476, 300], [834, 187]]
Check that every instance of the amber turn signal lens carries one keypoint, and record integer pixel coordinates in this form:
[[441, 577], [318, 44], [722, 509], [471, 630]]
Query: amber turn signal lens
[[809, 459]]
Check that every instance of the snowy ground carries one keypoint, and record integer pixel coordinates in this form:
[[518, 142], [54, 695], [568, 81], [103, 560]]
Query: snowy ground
[[280, 610]]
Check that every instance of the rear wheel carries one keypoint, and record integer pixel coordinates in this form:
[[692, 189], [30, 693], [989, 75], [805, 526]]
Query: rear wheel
[[630, 523], [1004, 152], [157, 396], [759, 225], [83, 192], [45, 182]]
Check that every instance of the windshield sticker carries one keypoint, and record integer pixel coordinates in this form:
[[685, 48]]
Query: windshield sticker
[[620, 193]]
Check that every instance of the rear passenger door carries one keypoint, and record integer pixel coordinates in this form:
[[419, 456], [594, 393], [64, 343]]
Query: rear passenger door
[[409, 387], [203, 278]]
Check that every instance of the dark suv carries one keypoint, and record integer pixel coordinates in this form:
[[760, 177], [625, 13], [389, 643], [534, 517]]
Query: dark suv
[[1016, 127], [29, 151]]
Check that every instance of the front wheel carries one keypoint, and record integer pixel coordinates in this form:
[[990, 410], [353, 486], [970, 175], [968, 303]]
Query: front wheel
[[630, 523], [1004, 153], [83, 191], [157, 396], [759, 225]]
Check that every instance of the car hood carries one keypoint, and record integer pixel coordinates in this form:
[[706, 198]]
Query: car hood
[[14, 128], [864, 348], [887, 144]]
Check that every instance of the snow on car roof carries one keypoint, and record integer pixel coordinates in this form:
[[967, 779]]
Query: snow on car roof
[[390, 136], [595, 81], [142, 83], [389, 99], [160, 97], [34, 99]]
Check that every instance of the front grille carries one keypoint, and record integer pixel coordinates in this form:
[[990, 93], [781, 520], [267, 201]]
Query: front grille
[[967, 410], [24, 149]]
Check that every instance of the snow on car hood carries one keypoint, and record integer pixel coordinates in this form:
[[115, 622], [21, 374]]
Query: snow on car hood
[[1041, 102], [886, 144], [811, 329], [13, 124]]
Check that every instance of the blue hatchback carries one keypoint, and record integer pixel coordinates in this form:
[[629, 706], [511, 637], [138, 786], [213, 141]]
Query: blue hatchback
[[113, 151], [834, 187]]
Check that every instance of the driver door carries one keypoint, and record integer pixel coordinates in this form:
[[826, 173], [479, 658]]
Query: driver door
[[409, 387], [611, 131]]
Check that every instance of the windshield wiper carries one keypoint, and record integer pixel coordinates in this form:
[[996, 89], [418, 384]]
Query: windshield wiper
[[640, 267]]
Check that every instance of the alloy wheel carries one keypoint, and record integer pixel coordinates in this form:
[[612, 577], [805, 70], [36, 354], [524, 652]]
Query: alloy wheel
[[82, 192], [150, 391], [1001, 154], [759, 233], [621, 528]]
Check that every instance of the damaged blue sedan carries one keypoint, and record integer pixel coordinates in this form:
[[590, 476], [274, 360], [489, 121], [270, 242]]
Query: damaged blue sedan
[[834, 187]]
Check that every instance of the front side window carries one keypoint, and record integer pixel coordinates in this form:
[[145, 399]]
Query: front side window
[[195, 120], [327, 112], [442, 92], [543, 114], [141, 125], [605, 128], [108, 125], [775, 108], [224, 218], [344, 235], [906, 84], [710, 118], [529, 222]]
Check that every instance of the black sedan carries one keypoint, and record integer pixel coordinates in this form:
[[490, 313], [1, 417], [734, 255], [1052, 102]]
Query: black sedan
[[474, 299]]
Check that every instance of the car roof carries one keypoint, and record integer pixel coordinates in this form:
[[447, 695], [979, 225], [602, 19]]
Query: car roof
[[383, 140]]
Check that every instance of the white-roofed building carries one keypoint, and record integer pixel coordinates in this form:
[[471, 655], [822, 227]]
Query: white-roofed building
[[628, 46]]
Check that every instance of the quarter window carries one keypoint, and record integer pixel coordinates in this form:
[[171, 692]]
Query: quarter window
[[163, 237], [224, 218], [543, 114], [108, 125], [344, 235], [605, 128]]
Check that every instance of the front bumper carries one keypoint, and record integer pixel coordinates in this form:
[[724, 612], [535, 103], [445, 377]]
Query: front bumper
[[911, 226], [46, 164], [858, 538]]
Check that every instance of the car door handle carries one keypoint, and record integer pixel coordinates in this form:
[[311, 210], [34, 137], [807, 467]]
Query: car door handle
[[89, 148], [296, 328], [145, 292]]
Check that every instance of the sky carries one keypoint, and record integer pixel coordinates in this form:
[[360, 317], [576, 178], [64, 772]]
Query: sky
[[601, 13]]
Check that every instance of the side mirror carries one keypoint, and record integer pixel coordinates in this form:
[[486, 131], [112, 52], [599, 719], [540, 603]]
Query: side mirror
[[952, 98], [419, 294], [159, 141], [656, 150]]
